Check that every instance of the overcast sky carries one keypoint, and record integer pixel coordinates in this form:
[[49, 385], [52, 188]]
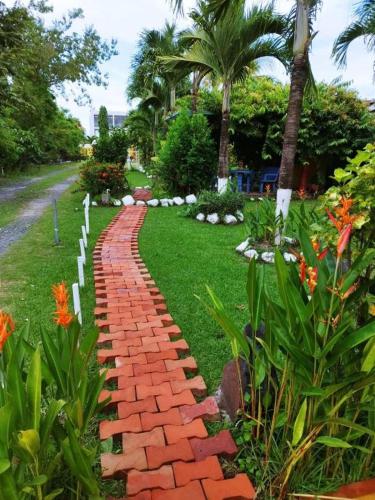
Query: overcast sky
[[125, 19]]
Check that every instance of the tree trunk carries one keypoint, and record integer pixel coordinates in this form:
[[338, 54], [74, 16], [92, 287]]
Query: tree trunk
[[173, 98], [197, 79], [297, 87], [155, 131], [224, 139]]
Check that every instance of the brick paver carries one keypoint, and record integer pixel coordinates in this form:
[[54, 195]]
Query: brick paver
[[166, 452]]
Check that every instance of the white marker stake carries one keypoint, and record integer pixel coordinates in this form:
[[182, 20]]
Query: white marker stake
[[84, 235], [77, 302], [87, 222], [83, 253], [81, 276]]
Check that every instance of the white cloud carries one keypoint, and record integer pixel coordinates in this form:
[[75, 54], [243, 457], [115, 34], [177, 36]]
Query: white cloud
[[125, 19]]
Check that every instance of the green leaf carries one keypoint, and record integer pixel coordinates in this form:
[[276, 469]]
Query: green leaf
[[53, 361], [299, 424], [48, 421], [54, 494], [368, 362], [4, 465], [333, 442], [34, 389], [352, 340]]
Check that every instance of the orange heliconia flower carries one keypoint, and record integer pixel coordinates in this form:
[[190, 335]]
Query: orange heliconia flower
[[343, 217], [6, 328], [312, 281], [301, 194], [62, 314], [343, 240]]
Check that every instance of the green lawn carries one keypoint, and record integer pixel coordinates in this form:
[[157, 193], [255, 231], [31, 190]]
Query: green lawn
[[137, 179], [10, 209], [183, 256]]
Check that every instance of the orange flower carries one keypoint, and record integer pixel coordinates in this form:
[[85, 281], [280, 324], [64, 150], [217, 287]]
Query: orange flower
[[343, 240], [302, 269], [343, 217], [62, 314], [6, 328], [301, 194], [312, 281], [268, 188]]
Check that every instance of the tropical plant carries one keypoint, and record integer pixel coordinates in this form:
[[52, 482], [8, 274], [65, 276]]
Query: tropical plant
[[210, 202], [228, 49], [112, 147], [362, 27], [309, 403], [262, 224], [96, 178], [187, 158], [46, 406]]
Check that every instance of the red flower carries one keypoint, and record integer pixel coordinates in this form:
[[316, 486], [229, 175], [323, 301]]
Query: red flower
[[6, 328], [343, 240]]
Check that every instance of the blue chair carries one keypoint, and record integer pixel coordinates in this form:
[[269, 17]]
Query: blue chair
[[244, 180], [268, 175]]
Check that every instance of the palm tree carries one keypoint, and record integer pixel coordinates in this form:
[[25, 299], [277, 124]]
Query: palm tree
[[228, 49], [363, 26], [301, 32], [147, 68], [156, 100]]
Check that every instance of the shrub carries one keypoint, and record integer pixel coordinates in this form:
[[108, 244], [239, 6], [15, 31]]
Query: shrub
[[112, 147], [47, 405], [210, 202], [96, 178], [188, 157]]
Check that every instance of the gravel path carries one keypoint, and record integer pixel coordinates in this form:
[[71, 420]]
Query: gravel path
[[9, 192], [30, 214]]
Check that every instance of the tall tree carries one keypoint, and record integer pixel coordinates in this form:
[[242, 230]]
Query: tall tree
[[229, 49], [362, 27], [103, 122], [301, 32]]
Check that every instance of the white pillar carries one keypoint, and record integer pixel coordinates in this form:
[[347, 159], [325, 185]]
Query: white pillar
[[84, 235], [77, 302], [87, 222], [81, 276], [83, 253], [222, 184]]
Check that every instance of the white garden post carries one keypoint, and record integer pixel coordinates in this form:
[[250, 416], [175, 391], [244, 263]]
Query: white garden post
[[83, 252], [81, 276], [77, 302], [87, 221], [283, 197], [84, 235]]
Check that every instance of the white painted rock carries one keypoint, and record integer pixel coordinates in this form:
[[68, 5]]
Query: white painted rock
[[243, 246], [268, 257], [94, 204], [289, 240], [128, 200], [213, 219], [191, 199], [251, 254], [240, 216], [260, 199], [141, 203], [252, 199], [164, 202], [153, 203], [146, 187], [170, 202], [201, 217], [117, 203], [289, 257], [178, 201], [230, 219]]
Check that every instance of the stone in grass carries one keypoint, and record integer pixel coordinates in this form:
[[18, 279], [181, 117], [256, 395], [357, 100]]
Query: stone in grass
[[290, 241], [240, 216], [140, 203], [164, 202], [153, 203], [178, 201], [128, 200], [268, 257], [213, 219], [251, 254], [191, 199], [230, 219], [201, 217], [117, 203], [94, 204], [243, 246], [289, 257]]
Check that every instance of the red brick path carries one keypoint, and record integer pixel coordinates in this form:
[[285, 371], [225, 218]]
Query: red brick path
[[166, 451]]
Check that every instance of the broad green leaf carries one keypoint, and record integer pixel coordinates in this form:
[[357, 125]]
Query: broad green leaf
[[255, 293], [54, 494], [54, 362], [8, 487], [48, 421], [352, 340], [34, 389], [29, 442], [16, 390], [333, 442], [299, 424], [4, 465], [368, 362]]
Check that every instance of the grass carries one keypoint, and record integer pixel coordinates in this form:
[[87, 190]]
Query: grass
[[137, 179], [183, 257], [10, 209], [32, 171]]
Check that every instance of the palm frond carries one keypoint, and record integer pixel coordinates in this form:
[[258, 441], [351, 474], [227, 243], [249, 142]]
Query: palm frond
[[340, 48]]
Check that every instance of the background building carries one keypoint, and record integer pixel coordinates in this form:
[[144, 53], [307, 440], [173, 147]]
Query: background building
[[115, 119]]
